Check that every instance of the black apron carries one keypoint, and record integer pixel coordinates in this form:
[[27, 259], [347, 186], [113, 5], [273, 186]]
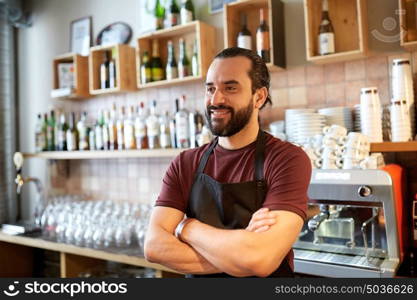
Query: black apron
[[230, 205]]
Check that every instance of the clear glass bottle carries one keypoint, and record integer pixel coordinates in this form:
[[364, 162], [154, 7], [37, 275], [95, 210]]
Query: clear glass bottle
[[165, 135], [195, 66], [62, 130], [120, 129], [171, 69], [83, 134], [152, 123], [184, 63], [98, 128], [129, 129], [72, 134], [112, 128], [141, 134], [182, 125]]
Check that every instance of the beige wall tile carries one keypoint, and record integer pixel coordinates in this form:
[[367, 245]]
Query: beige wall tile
[[334, 73], [296, 76], [316, 95], [279, 97], [314, 74], [335, 94], [355, 70], [352, 90], [297, 96], [279, 79], [376, 67]]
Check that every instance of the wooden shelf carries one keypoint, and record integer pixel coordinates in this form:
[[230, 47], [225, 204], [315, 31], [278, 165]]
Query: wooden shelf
[[394, 147], [408, 40], [125, 68], [196, 30], [171, 82], [275, 19], [80, 89], [349, 19], [134, 260], [71, 155]]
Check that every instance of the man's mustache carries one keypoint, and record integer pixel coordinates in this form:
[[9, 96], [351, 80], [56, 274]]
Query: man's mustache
[[210, 108]]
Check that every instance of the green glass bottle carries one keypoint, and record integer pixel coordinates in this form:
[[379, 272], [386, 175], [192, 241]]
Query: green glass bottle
[[156, 62], [173, 17], [159, 14], [51, 131], [184, 63], [187, 11], [171, 69], [145, 69], [194, 60]]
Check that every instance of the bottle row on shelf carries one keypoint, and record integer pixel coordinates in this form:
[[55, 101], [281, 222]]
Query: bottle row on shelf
[[116, 130], [173, 15], [152, 68]]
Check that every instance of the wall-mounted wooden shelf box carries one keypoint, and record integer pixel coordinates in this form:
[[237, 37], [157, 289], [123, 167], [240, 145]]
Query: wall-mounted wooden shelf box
[[203, 33], [408, 24], [80, 67], [349, 19], [125, 68], [232, 25]]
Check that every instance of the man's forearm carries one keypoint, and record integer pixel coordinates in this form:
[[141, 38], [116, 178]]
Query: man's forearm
[[167, 250]]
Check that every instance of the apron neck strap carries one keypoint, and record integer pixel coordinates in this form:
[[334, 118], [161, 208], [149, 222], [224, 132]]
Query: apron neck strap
[[259, 156]]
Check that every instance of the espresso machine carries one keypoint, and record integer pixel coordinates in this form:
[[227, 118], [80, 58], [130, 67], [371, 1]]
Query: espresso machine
[[351, 229]]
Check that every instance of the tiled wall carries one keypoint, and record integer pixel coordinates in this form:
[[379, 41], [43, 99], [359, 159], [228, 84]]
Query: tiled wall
[[140, 179]]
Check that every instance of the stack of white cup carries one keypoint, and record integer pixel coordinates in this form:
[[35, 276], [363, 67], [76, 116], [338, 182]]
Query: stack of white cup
[[356, 147], [331, 149], [401, 130], [371, 114], [402, 87]]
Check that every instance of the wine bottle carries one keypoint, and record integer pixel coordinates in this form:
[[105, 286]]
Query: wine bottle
[[184, 63], [262, 38], [72, 134], [164, 131], [62, 130], [112, 128], [195, 66], [326, 32], [129, 130], [39, 135], [156, 62], [145, 69], [104, 72], [141, 134], [98, 128], [244, 37], [173, 17], [187, 12], [182, 126], [83, 133], [171, 69], [152, 124], [159, 14], [112, 70], [106, 132], [120, 129], [45, 132]]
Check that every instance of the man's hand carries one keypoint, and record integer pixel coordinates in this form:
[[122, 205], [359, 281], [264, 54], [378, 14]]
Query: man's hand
[[261, 220]]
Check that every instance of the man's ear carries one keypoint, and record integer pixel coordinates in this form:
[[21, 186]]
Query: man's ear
[[260, 97]]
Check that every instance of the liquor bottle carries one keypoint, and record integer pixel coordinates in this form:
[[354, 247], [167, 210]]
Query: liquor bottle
[[120, 129], [152, 123], [112, 128], [129, 130], [104, 72], [187, 12], [159, 14], [39, 135], [72, 134], [173, 17], [182, 126], [45, 132], [184, 63], [171, 69], [92, 139], [326, 32], [83, 132], [196, 121], [98, 129], [194, 60], [141, 134], [145, 69], [156, 62], [62, 130], [165, 135], [56, 129], [262, 38], [173, 126], [106, 133], [112, 70], [244, 37]]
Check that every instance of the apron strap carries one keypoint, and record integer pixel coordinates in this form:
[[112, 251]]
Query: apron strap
[[260, 156], [206, 156]]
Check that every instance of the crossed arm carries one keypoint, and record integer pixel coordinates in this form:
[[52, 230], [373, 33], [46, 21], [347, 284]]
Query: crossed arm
[[256, 251]]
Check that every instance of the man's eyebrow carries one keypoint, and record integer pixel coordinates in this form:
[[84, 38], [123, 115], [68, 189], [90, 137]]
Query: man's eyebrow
[[224, 82]]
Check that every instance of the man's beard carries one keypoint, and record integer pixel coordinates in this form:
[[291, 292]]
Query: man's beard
[[237, 122]]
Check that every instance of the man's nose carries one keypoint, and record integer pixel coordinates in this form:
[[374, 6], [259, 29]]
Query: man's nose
[[217, 98]]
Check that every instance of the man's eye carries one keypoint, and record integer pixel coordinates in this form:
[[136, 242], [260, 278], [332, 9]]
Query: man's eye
[[230, 88], [210, 90]]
